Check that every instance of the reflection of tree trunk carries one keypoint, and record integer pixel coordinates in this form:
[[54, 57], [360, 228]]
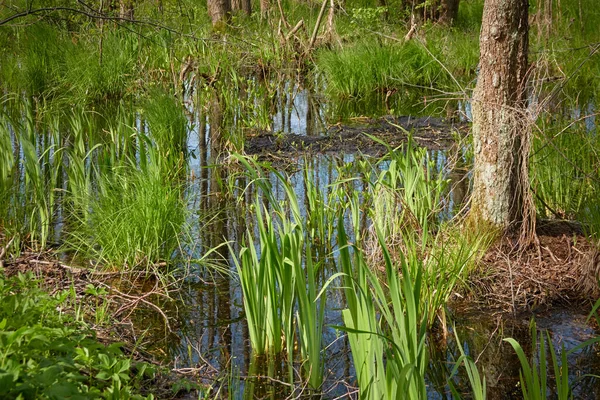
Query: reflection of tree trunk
[[215, 121], [310, 117], [459, 186], [216, 233], [220, 235], [501, 141], [203, 157]]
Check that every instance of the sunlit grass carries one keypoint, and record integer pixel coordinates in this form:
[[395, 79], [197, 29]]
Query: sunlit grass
[[279, 278], [370, 66], [135, 219]]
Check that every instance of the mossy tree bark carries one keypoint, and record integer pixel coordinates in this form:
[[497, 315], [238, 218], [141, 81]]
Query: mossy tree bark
[[501, 133]]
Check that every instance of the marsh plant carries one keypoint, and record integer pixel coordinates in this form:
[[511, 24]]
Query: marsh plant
[[389, 352], [135, 218], [534, 376], [30, 177], [282, 280]]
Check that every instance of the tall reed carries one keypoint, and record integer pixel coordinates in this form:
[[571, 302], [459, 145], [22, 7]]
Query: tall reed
[[282, 279], [390, 354], [268, 287]]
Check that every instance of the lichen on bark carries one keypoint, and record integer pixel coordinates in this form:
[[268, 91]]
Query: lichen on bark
[[501, 133]]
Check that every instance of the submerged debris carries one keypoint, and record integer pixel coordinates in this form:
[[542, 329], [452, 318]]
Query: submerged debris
[[430, 132]]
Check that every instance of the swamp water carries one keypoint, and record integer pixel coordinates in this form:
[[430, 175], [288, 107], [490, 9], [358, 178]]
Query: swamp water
[[210, 337]]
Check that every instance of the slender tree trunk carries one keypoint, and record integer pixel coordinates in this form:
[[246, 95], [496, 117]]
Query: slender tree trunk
[[264, 7], [219, 11], [448, 11], [247, 7], [442, 11], [242, 5], [126, 9], [501, 133]]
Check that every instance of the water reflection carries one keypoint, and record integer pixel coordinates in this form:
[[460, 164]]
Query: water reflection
[[211, 328]]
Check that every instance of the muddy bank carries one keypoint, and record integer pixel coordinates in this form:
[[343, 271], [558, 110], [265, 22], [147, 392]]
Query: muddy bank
[[433, 133]]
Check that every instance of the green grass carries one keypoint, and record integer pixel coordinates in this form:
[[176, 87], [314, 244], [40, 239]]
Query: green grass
[[369, 66], [135, 219], [94, 76], [168, 126], [564, 166]]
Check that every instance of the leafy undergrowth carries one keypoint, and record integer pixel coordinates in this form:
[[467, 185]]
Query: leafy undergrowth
[[45, 353]]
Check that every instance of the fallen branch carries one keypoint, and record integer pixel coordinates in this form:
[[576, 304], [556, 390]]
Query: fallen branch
[[4, 250], [316, 30], [296, 28]]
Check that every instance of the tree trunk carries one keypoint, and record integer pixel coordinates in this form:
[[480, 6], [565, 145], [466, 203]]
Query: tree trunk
[[443, 11], [126, 9], [219, 11], [247, 7], [264, 8], [242, 5], [501, 134], [448, 11]]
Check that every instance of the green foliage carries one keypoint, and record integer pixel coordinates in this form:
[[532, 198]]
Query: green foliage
[[534, 374], [367, 18], [136, 219], [370, 66], [565, 172], [46, 354], [281, 279]]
